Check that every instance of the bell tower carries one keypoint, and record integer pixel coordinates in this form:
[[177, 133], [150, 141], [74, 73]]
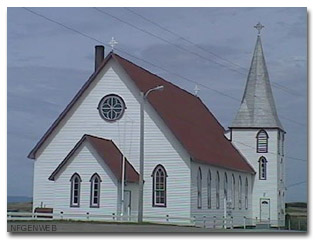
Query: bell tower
[[259, 135]]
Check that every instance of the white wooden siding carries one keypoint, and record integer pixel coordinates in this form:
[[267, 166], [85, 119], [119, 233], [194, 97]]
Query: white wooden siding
[[199, 213], [86, 162], [245, 141], [161, 147]]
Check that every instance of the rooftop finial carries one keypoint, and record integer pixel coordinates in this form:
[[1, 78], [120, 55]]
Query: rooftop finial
[[259, 26], [196, 90], [113, 43]]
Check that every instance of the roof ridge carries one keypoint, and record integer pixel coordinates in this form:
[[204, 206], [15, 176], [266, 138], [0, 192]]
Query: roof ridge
[[146, 70]]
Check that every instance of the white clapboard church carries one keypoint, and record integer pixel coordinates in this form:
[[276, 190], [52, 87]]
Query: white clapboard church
[[88, 162]]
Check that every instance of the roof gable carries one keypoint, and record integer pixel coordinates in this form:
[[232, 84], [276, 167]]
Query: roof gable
[[184, 114], [108, 152]]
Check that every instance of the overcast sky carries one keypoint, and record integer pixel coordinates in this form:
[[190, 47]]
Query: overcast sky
[[47, 65]]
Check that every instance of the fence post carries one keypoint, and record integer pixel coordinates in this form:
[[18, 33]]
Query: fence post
[[232, 224], [204, 221], [269, 223], [87, 215], [167, 218], [279, 223], [224, 223], [299, 224], [244, 222], [214, 221], [194, 220], [113, 214], [289, 223], [256, 221], [61, 215]]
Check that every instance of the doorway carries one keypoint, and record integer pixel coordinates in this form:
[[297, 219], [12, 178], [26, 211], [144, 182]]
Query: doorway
[[264, 209], [127, 203]]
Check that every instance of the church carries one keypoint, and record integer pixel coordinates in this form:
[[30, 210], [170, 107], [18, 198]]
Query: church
[[132, 144]]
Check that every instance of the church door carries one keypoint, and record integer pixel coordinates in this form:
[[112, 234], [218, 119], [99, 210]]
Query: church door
[[127, 203], [264, 209]]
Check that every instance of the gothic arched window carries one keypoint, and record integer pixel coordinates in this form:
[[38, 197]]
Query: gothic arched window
[[209, 188], [159, 186], [246, 193], [95, 190], [262, 168], [262, 141], [225, 186], [240, 192], [218, 190], [199, 188], [75, 190], [233, 191]]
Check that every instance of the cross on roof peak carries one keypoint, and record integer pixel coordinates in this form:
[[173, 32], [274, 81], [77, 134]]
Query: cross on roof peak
[[259, 27], [113, 43], [196, 90]]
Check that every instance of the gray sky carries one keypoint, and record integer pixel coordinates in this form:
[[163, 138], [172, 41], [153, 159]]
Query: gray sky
[[47, 65]]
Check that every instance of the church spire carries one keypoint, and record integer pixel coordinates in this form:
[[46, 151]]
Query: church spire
[[257, 107]]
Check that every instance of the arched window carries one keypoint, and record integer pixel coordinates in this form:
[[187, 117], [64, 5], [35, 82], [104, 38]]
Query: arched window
[[209, 188], [218, 190], [246, 193], [75, 190], [233, 192], [240, 192], [262, 168], [199, 188], [95, 190], [225, 186], [262, 141], [159, 186]]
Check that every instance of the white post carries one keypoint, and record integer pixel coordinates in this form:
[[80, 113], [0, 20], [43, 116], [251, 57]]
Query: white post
[[141, 167]]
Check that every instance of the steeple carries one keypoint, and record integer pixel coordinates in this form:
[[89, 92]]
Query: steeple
[[257, 108]]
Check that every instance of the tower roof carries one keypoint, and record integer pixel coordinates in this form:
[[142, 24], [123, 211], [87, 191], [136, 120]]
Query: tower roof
[[257, 108]]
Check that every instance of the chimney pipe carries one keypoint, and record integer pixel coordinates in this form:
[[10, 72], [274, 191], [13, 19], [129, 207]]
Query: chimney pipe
[[99, 55]]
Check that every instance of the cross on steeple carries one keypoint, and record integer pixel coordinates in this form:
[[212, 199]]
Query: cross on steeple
[[259, 26], [113, 43]]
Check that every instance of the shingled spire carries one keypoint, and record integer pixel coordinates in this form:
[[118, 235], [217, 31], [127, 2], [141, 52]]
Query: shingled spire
[[257, 108]]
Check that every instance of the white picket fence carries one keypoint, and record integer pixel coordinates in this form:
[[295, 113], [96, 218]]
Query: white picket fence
[[98, 217], [204, 222]]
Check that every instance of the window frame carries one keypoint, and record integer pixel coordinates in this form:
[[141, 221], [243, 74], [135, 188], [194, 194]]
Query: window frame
[[262, 131], [225, 187], [262, 165], [199, 189], [101, 103], [209, 180], [246, 193], [240, 186], [154, 190], [72, 189], [233, 191], [92, 191], [217, 188]]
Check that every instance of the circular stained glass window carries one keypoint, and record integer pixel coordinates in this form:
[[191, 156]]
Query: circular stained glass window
[[111, 107]]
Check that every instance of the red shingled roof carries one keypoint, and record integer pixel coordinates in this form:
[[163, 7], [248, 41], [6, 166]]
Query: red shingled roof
[[110, 154], [185, 115], [189, 119]]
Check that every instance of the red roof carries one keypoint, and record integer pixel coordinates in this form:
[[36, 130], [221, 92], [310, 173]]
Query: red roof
[[110, 154], [186, 116], [189, 119]]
